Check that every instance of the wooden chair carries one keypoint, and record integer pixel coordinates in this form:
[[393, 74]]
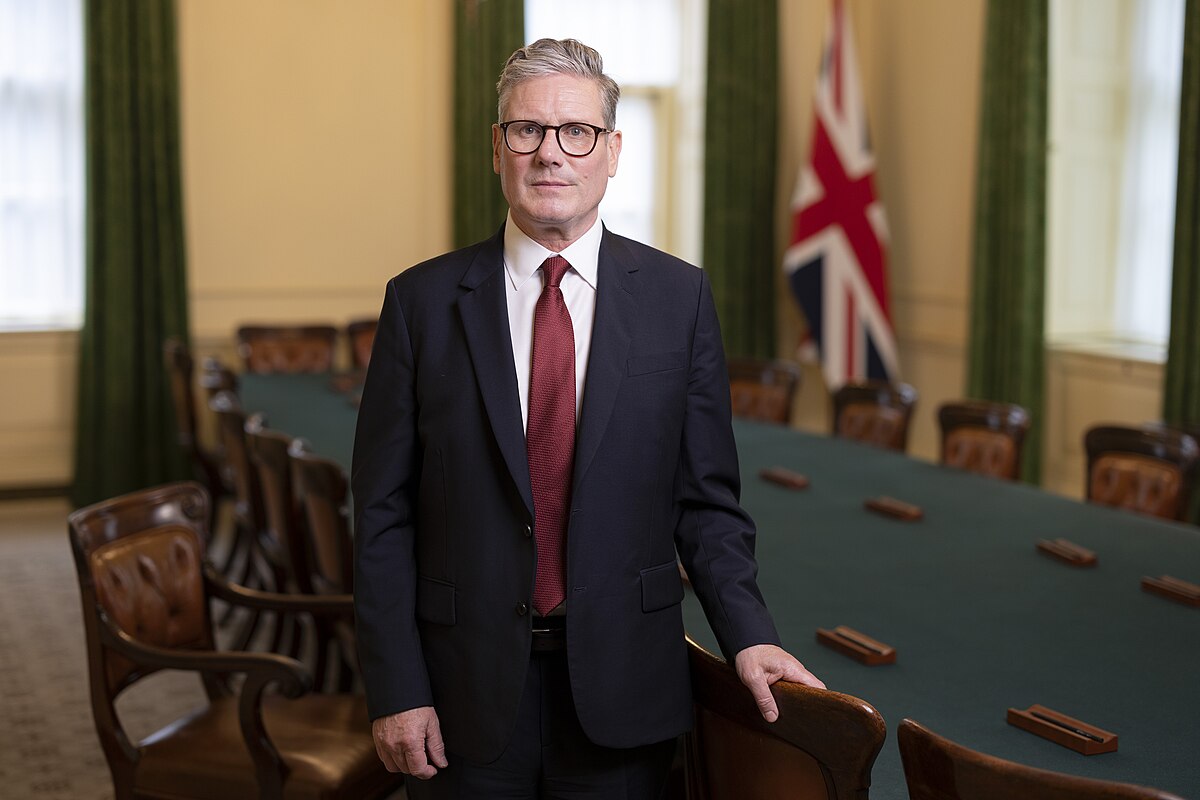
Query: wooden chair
[[181, 375], [280, 542], [983, 437], [1149, 469], [287, 348], [822, 746], [361, 335], [324, 494], [874, 412], [146, 590], [763, 391], [249, 514], [938, 769]]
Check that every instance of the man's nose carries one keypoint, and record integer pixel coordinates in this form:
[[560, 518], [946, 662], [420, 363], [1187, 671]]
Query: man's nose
[[548, 151]]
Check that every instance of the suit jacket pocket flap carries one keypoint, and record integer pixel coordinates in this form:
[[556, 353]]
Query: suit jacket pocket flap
[[656, 362], [661, 587], [435, 601]]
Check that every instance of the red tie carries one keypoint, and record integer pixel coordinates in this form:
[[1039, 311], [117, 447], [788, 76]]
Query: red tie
[[550, 432]]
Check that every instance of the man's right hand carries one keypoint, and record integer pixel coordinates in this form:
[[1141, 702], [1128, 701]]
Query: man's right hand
[[410, 742]]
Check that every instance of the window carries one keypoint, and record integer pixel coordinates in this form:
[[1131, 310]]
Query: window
[[1114, 127], [41, 164], [655, 50]]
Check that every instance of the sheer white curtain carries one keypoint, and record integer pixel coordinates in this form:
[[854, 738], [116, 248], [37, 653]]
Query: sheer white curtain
[[41, 164], [1145, 235]]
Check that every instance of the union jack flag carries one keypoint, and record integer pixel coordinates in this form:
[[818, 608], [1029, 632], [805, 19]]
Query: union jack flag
[[836, 263]]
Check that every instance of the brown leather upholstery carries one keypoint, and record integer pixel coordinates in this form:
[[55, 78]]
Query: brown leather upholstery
[[822, 746], [874, 412], [763, 390], [1148, 469], [294, 348], [938, 769], [361, 333], [983, 437], [323, 490], [145, 591]]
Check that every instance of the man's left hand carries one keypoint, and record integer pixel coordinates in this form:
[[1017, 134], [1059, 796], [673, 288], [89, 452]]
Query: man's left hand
[[763, 664]]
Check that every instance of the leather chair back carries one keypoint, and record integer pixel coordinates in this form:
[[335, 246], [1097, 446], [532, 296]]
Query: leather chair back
[[763, 391], [323, 490], [874, 412], [822, 747], [938, 769], [295, 348], [282, 540], [361, 333], [983, 437], [1149, 469]]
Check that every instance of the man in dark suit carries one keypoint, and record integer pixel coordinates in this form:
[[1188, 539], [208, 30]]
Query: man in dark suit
[[544, 426]]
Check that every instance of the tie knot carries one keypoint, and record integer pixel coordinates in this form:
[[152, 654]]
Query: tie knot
[[555, 267]]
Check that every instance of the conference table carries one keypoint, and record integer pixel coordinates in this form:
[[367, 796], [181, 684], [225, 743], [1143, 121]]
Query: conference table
[[980, 620]]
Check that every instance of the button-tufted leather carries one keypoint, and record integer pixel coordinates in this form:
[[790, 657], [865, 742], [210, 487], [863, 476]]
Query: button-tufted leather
[[981, 451], [287, 349], [873, 424], [1137, 483], [150, 585]]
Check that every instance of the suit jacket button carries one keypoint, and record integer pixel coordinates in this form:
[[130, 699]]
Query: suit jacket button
[[522, 609], [528, 531]]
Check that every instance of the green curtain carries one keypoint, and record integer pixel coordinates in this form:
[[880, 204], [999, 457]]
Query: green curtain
[[136, 293], [740, 163], [486, 32], [1181, 390], [1006, 348]]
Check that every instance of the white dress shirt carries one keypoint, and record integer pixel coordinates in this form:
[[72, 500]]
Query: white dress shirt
[[523, 259]]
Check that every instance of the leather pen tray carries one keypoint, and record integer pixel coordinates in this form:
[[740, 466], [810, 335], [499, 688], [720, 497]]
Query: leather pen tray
[[896, 509], [1180, 591], [784, 477], [859, 646], [1061, 729], [1067, 552]]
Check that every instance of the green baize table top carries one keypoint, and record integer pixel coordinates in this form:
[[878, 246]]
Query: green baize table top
[[980, 620]]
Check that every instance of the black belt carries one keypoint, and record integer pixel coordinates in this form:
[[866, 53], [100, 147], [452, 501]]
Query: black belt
[[549, 634]]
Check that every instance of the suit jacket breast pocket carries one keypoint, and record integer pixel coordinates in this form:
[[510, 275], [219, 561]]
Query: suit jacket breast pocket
[[435, 601], [661, 587], [656, 362]]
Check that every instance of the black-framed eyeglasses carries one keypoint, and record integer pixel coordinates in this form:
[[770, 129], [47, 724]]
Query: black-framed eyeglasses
[[524, 136]]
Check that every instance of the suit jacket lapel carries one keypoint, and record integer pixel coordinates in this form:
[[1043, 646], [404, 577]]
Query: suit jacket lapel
[[484, 314], [616, 311]]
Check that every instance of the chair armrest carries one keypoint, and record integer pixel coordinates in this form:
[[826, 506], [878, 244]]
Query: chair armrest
[[261, 670], [292, 677], [321, 605]]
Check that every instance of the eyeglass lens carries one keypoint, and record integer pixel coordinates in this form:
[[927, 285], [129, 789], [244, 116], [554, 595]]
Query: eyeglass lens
[[575, 139]]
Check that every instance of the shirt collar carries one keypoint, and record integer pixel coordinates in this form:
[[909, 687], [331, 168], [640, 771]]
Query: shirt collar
[[523, 256]]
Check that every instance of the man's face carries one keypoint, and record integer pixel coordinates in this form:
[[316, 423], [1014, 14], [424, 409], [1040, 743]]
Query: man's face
[[554, 196]]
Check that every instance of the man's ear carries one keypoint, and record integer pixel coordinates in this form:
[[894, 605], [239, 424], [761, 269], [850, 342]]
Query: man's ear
[[614, 152], [497, 143]]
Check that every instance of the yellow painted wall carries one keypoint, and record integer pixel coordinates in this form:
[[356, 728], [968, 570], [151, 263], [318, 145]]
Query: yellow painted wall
[[316, 153]]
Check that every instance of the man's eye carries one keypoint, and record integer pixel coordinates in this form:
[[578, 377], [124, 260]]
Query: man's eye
[[530, 130], [575, 131]]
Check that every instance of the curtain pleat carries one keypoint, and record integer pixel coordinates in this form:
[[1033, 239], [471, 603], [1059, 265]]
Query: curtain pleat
[[1006, 351], [486, 32], [740, 159], [135, 284], [1181, 390]]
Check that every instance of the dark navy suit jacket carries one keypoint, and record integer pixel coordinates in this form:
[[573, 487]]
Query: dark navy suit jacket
[[444, 511]]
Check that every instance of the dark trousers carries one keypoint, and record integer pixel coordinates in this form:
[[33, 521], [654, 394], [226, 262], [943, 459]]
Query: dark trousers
[[549, 757]]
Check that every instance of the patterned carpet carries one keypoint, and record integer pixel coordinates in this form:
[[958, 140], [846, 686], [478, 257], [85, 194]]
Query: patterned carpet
[[48, 745]]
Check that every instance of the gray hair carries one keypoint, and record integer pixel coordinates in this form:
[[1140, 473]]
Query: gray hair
[[547, 57]]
